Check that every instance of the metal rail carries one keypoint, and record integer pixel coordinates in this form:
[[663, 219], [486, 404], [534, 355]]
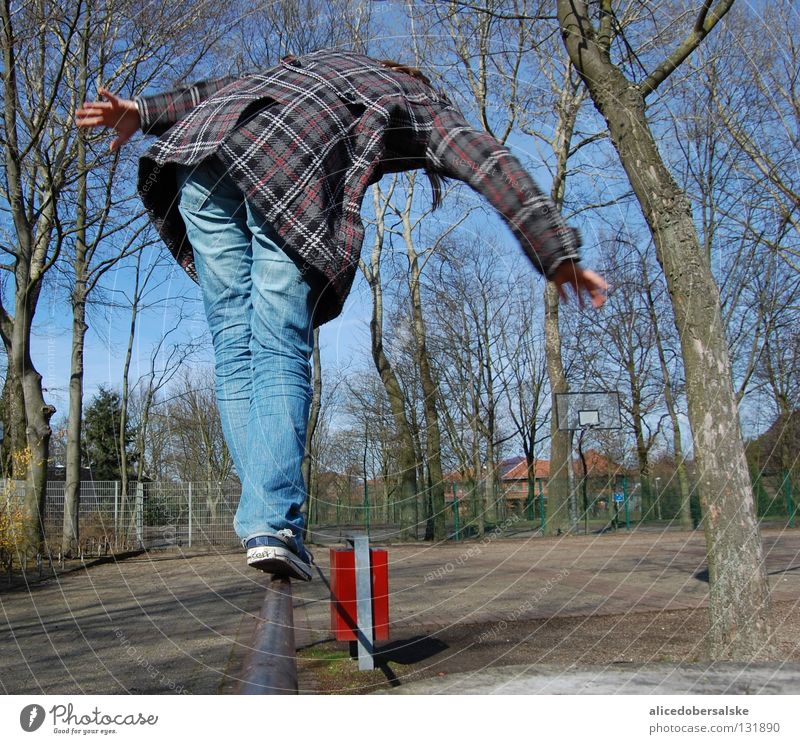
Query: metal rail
[[271, 667]]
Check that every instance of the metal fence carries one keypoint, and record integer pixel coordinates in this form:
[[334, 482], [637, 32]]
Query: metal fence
[[149, 515], [200, 515], [776, 496]]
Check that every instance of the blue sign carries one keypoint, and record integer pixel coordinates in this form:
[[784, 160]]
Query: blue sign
[[619, 497]]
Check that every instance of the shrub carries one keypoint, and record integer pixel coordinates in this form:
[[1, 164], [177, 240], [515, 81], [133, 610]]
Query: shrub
[[12, 527]]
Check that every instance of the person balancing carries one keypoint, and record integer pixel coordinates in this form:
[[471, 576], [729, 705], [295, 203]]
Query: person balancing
[[255, 184]]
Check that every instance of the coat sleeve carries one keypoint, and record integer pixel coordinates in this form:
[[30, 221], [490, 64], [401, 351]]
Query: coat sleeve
[[457, 150], [161, 111]]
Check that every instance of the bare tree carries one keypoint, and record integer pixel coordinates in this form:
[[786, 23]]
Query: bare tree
[[558, 520], [491, 42], [197, 444], [368, 409], [37, 41], [494, 56], [778, 373], [406, 458], [152, 435], [265, 30], [621, 355], [57, 202], [410, 225], [433, 447], [474, 345], [461, 383], [730, 125], [757, 103], [739, 596], [730, 208], [672, 388], [527, 391]]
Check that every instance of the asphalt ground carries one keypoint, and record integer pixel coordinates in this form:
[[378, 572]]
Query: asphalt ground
[[182, 624]]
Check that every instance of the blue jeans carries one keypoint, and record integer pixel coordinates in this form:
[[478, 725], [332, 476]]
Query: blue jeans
[[259, 311]]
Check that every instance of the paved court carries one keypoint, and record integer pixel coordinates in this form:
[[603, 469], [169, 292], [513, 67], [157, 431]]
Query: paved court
[[494, 580], [166, 623], [724, 678]]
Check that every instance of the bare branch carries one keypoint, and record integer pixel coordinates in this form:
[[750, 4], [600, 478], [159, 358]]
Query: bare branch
[[705, 23]]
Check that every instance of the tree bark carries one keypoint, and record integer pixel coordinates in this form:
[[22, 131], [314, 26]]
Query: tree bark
[[128, 503], [433, 436], [14, 441], [642, 447], [71, 529], [37, 429], [557, 517], [313, 420], [739, 598]]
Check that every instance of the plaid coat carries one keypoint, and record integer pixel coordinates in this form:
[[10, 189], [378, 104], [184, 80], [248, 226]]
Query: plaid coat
[[304, 140]]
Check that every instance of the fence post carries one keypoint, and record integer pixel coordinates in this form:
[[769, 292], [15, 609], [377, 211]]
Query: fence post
[[116, 514], [366, 507], [456, 516], [541, 505], [627, 504], [787, 490], [190, 514], [140, 514]]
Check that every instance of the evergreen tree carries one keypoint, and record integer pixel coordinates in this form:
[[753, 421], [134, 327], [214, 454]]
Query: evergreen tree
[[101, 436]]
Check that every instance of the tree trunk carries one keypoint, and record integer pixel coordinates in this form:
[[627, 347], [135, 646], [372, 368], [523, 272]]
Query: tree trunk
[[530, 499], [30, 464], [495, 494], [71, 530], [739, 597], [128, 503], [38, 415], [15, 441], [433, 438], [406, 456], [560, 516], [557, 517], [313, 420], [70, 535], [645, 486]]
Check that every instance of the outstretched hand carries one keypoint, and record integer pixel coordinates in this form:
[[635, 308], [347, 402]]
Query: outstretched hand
[[581, 280], [119, 114]]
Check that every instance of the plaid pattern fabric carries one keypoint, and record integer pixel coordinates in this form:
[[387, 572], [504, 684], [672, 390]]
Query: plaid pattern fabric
[[304, 140]]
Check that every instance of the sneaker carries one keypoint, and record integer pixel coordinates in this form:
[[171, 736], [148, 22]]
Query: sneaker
[[277, 554]]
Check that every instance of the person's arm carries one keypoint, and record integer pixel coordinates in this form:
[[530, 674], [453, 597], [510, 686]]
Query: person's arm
[[152, 114], [161, 111], [457, 150]]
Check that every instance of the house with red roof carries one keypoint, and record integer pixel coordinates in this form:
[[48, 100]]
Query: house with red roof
[[604, 477]]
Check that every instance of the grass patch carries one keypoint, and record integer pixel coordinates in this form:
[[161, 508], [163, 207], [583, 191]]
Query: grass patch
[[324, 652]]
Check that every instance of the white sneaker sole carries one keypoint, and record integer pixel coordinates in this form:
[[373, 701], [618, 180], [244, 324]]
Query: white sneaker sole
[[280, 561]]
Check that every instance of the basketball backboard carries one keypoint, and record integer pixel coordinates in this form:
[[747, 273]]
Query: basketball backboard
[[597, 409]]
